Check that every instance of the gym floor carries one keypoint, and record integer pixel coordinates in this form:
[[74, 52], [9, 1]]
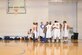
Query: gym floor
[[20, 47]]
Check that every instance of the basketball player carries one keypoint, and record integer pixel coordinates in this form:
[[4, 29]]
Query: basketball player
[[41, 31], [30, 34], [44, 31], [56, 29], [36, 36], [48, 33], [35, 31], [65, 31]]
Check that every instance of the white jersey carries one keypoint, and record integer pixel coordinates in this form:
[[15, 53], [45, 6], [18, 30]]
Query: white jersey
[[48, 33], [65, 26], [56, 29], [34, 28], [57, 25], [41, 30], [65, 30], [35, 31]]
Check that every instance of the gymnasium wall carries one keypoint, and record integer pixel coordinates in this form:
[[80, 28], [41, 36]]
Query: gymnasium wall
[[19, 24]]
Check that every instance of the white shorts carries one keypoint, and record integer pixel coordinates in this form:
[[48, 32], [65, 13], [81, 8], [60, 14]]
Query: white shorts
[[56, 33], [65, 33], [36, 34]]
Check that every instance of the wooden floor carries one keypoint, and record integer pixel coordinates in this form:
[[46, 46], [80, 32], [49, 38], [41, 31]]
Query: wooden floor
[[30, 48]]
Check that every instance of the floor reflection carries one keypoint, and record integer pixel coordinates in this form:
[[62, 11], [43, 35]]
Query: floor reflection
[[31, 48]]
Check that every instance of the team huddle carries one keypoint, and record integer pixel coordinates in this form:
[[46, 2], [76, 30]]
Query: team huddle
[[48, 32]]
